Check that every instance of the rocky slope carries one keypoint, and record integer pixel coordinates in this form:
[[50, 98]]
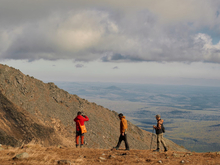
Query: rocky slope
[[37, 155], [31, 110]]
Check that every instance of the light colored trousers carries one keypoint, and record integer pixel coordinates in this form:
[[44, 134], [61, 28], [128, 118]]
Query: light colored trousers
[[160, 139]]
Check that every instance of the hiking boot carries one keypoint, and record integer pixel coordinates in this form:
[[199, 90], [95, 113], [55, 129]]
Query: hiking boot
[[157, 150], [115, 148], [165, 149], [127, 149], [81, 146], [77, 145]]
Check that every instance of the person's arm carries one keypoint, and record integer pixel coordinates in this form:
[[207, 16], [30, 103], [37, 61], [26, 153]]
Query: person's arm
[[86, 118], [124, 127], [159, 123]]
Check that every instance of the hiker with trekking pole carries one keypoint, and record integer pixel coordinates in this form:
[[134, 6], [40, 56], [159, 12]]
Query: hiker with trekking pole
[[80, 128], [159, 132], [123, 135], [152, 138]]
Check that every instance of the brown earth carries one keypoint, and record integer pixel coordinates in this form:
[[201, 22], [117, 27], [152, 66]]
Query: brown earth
[[33, 111], [38, 155]]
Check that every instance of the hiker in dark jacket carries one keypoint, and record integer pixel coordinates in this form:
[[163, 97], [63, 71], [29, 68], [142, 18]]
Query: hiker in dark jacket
[[80, 119], [159, 133], [123, 129]]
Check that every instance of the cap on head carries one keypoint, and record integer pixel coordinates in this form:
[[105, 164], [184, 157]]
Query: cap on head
[[120, 115], [157, 116], [79, 113]]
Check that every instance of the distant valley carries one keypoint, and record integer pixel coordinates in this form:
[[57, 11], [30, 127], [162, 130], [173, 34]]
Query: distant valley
[[32, 111], [191, 113]]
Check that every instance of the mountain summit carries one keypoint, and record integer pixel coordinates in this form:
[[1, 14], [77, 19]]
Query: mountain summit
[[33, 111]]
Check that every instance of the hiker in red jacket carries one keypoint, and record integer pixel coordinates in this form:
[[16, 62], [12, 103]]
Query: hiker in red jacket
[[80, 119]]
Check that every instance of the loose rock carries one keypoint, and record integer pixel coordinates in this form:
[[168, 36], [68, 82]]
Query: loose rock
[[64, 162], [182, 161], [111, 156], [21, 156], [160, 161], [102, 158]]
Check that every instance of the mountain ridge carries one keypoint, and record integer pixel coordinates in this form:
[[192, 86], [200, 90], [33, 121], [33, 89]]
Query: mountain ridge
[[45, 105]]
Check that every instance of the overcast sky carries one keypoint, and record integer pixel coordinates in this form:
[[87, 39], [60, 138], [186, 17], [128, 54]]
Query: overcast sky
[[136, 41]]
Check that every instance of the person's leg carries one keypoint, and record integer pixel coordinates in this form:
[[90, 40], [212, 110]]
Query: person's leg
[[126, 142], [158, 140], [158, 143], [82, 140], [119, 142], [77, 140], [163, 142]]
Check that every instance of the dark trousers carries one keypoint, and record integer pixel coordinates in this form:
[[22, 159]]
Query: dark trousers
[[79, 134], [120, 140]]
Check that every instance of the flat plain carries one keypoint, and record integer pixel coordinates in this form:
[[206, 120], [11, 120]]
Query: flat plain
[[191, 113]]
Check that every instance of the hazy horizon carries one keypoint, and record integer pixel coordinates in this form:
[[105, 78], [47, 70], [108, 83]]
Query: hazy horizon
[[191, 113]]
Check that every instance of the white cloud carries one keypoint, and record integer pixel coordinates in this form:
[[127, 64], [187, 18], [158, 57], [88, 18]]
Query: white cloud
[[72, 35], [210, 53], [120, 31]]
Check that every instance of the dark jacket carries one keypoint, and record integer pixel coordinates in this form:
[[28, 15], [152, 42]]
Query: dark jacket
[[81, 119], [159, 126]]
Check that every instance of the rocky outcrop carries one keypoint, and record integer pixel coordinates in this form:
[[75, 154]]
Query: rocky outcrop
[[18, 126], [44, 113]]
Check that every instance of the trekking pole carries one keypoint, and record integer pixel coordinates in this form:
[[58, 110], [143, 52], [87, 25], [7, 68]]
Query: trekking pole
[[151, 138]]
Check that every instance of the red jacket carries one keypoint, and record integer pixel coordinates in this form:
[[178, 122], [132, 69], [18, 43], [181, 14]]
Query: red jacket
[[81, 119]]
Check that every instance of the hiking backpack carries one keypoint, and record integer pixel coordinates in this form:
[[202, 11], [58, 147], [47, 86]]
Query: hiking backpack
[[163, 128]]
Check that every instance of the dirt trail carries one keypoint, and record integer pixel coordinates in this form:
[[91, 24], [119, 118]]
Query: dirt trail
[[54, 155]]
